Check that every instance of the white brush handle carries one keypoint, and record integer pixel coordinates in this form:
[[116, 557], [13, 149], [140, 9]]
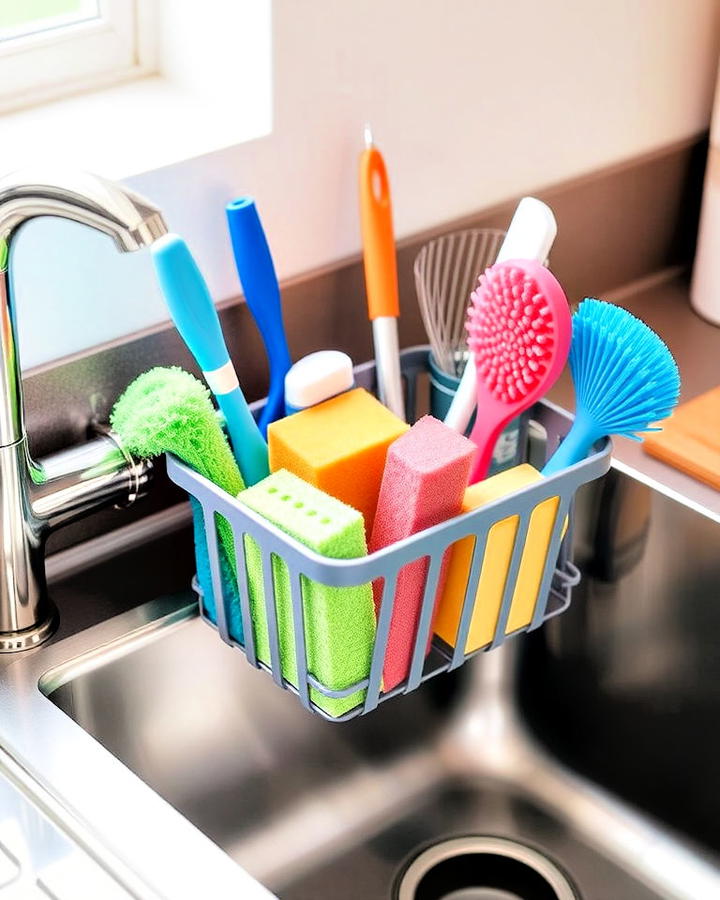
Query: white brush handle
[[530, 236], [531, 232], [463, 403]]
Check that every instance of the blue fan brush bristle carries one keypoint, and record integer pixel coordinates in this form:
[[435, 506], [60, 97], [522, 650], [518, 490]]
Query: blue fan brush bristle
[[625, 380]]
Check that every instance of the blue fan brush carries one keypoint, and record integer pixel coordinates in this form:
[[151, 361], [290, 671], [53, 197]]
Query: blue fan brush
[[625, 379]]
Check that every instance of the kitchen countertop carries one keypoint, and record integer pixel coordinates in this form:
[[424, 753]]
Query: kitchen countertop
[[663, 302]]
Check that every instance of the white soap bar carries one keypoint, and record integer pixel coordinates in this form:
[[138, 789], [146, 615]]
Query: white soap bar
[[317, 377]]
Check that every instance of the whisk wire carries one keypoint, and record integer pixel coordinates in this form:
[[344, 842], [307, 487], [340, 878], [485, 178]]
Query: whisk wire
[[446, 271]]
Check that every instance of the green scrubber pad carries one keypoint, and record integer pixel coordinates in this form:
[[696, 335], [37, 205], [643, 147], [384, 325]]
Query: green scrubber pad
[[339, 622], [167, 410]]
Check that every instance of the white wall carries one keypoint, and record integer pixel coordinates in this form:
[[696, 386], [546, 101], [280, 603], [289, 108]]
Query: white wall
[[471, 101]]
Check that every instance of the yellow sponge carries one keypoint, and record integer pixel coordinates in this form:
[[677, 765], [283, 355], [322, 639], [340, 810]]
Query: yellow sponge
[[496, 563], [339, 446]]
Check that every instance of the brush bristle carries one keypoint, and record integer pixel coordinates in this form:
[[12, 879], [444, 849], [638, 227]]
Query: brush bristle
[[625, 377], [511, 331]]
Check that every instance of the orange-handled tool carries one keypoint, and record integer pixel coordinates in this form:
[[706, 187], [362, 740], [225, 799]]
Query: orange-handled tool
[[381, 283]]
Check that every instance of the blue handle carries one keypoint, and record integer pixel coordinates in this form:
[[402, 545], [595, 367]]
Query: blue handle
[[574, 448], [251, 451], [189, 301], [196, 318], [262, 294]]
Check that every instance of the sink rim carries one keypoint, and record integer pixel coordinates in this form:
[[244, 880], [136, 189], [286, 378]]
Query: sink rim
[[98, 791], [143, 624]]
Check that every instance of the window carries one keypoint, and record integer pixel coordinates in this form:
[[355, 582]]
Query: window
[[50, 48], [190, 135]]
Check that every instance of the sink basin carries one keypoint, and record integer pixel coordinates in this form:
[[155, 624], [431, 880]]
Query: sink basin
[[587, 741], [313, 809], [625, 686], [309, 808]]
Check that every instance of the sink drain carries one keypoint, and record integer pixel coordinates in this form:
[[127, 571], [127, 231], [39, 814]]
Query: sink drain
[[483, 868]]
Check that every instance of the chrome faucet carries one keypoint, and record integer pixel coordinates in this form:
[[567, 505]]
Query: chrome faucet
[[35, 497]]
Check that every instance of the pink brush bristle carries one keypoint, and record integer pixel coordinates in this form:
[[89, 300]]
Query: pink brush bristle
[[511, 331], [519, 332]]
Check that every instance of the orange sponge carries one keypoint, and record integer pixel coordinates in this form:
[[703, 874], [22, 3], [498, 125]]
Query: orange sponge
[[496, 563], [339, 446]]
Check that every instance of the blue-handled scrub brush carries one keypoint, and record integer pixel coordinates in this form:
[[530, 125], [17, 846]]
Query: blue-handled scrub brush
[[625, 380]]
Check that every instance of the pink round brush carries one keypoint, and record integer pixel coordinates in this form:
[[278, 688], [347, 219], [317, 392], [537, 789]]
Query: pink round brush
[[519, 331]]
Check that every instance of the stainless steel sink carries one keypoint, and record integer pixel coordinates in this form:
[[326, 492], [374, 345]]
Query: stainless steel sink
[[307, 806], [615, 691], [626, 686]]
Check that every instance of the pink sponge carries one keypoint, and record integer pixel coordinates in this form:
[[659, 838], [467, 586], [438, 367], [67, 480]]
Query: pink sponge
[[424, 480]]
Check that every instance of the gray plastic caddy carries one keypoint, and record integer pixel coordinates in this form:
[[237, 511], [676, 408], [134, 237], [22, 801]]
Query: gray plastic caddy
[[558, 579]]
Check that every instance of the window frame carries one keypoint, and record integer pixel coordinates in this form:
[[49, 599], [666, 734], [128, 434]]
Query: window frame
[[82, 55]]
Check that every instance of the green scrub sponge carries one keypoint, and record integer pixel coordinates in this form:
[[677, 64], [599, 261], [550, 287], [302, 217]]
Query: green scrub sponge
[[167, 410], [339, 622]]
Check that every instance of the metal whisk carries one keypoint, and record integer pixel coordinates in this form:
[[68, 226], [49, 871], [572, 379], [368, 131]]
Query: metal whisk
[[446, 271]]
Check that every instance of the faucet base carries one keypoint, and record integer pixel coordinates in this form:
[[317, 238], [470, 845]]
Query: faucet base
[[15, 641]]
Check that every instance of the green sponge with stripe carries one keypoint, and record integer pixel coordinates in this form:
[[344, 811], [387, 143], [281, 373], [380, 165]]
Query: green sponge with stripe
[[339, 621]]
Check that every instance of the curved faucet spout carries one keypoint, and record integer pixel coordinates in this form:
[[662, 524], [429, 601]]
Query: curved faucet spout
[[129, 219], [26, 615]]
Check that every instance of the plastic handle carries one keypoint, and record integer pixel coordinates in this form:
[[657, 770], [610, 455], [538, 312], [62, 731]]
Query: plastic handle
[[256, 271], [189, 301], [250, 449], [530, 235], [196, 319], [531, 232], [573, 449], [381, 281], [484, 435]]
